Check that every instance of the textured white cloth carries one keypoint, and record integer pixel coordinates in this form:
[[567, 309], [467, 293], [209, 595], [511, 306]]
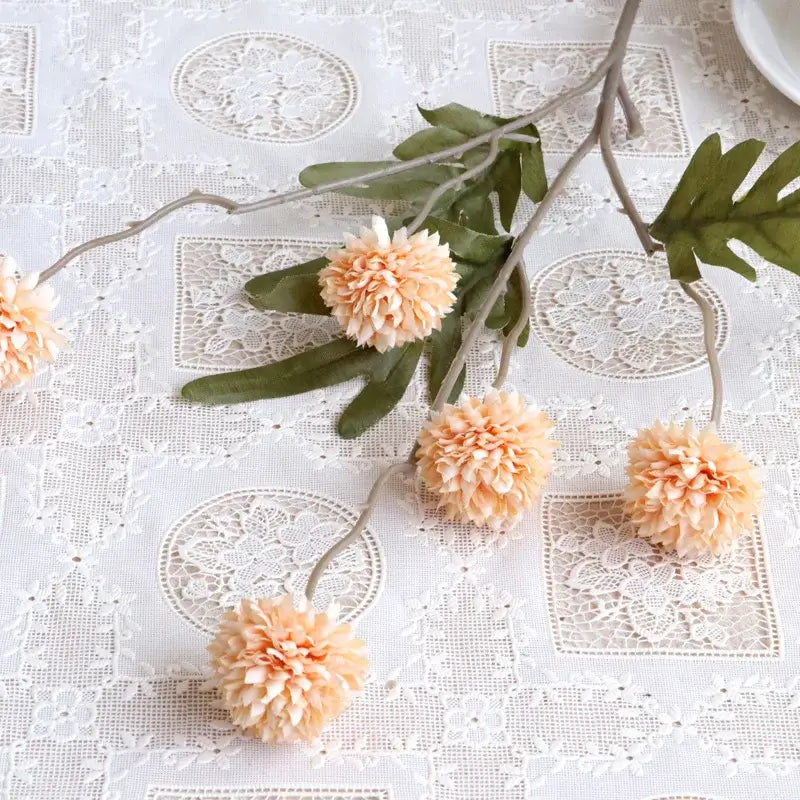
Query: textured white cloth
[[564, 661]]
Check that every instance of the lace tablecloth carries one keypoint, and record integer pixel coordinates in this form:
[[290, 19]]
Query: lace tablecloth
[[568, 660]]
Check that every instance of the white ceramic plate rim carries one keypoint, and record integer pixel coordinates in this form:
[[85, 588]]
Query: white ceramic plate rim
[[776, 75]]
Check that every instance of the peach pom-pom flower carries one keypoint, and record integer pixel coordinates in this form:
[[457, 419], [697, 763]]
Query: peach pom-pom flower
[[26, 333], [487, 459], [387, 291], [282, 670], [689, 491]]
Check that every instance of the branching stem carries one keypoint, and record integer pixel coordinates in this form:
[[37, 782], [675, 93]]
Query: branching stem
[[232, 207], [609, 71], [454, 183]]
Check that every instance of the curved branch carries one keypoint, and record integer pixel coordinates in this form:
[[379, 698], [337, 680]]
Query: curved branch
[[510, 341], [500, 281], [355, 532], [612, 62], [710, 339], [454, 183], [632, 117], [135, 228], [232, 207]]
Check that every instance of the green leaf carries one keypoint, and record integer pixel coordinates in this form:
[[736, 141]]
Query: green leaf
[[471, 208], [534, 177], [467, 244], [499, 316], [292, 289], [702, 217], [429, 140], [514, 295], [473, 299], [443, 349], [329, 364], [507, 180], [413, 184], [462, 119], [380, 396]]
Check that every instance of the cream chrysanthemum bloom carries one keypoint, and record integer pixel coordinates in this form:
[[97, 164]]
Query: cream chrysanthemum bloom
[[284, 671], [689, 491], [387, 291], [487, 459], [26, 333]]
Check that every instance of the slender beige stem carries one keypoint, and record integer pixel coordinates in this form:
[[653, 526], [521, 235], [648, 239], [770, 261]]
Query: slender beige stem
[[451, 152], [609, 68], [521, 137], [233, 207], [454, 183], [614, 57], [135, 228], [510, 341], [710, 339], [500, 281], [632, 117], [613, 88], [357, 529]]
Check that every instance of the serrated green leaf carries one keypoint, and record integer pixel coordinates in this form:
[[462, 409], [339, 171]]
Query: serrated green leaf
[[413, 184], [702, 217], [443, 349], [327, 365], [466, 244], [507, 181], [382, 392], [292, 289], [429, 140]]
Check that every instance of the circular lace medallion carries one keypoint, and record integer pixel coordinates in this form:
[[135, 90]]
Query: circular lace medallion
[[261, 543], [618, 314], [266, 87]]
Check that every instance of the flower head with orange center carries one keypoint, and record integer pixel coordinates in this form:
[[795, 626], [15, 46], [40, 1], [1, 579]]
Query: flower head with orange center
[[388, 291], [283, 670], [689, 491], [26, 333], [487, 459]]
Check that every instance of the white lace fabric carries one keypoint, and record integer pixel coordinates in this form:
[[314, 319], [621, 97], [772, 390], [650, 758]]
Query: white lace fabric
[[565, 659]]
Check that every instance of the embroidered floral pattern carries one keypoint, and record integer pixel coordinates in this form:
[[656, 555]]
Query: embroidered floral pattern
[[264, 544], [266, 87], [612, 592], [241, 793], [17, 63], [216, 327], [524, 75], [65, 714], [617, 314]]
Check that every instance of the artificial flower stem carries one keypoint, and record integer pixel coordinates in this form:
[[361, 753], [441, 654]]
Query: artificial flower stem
[[710, 339], [632, 118], [616, 52], [135, 228], [357, 529], [601, 131], [508, 267], [510, 341], [454, 183], [611, 91], [458, 150]]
